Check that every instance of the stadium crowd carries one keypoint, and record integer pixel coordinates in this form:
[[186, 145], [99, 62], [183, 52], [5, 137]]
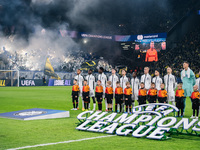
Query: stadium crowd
[[186, 50]]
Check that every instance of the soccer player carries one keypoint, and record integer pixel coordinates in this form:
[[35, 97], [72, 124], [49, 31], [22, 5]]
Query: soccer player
[[80, 80], [99, 94], [113, 78], [142, 94], [102, 77], [86, 92], [162, 94], [152, 94], [128, 94], [188, 79], [75, 93], [135, 83], [123, 81], [195, 102], [146, 78], [179, 96], [151, 54], [109, 95], [91, 82], [198, 82], [170, 83], [118, 97], [157, 80]]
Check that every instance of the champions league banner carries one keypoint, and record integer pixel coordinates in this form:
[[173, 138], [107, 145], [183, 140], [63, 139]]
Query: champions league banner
[[153, 121], [117, 38], [54, 82], [141, 37]]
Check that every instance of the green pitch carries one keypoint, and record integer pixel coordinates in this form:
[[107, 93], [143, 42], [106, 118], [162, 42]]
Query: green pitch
[[18, 133]]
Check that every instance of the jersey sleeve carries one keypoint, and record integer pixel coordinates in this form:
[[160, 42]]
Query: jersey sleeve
[[193, 77], [156, 56], [147, 55], [124, 91]]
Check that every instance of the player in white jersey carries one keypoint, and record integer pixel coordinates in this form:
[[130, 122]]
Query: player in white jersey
[[170, 85], [102, 77], [135, 83], [157, 80], [113, 78], [123, 81], [80, 80], [91, 82], [146, 78]]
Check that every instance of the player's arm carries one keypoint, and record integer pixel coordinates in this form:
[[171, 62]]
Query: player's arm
[[193, 77], [156, 56], [161, 80], [106, 93], [174, 83], [147, 55], [176, 95]]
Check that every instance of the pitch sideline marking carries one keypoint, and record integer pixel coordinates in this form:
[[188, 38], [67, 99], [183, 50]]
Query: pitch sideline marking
[[70, 141]]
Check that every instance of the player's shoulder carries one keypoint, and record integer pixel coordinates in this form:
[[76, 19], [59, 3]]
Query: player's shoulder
[[92, 76]]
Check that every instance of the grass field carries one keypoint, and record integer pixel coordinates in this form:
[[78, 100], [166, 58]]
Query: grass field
[[18, 133]]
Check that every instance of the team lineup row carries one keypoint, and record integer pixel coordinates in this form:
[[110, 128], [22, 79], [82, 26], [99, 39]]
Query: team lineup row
[[126, 93]]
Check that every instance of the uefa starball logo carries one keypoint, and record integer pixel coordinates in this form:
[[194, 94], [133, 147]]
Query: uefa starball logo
[[153, 121], [140, 37], [30, 113]]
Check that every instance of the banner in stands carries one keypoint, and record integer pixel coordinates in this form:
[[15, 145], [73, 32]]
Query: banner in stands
[[65, 33], [89, 65], [8, 82], [31, 82], [54, 82], [108, 37], [128, 38], [48, 70], [123, 38]]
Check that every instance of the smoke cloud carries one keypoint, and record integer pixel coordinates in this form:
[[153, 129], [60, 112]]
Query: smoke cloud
[[29, 28]]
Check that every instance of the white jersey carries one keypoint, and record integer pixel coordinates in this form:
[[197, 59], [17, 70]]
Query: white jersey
[[91, 82], [102, 77], [113, 79], [198, 83], [135, 83], [123, 81], [157, 80], [80, 80], [170, 83], [146, 79]]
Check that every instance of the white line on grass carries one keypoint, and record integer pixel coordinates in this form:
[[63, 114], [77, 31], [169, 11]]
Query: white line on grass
[[47, 144]]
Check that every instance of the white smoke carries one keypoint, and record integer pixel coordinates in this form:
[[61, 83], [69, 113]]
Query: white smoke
[[41, 44]]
